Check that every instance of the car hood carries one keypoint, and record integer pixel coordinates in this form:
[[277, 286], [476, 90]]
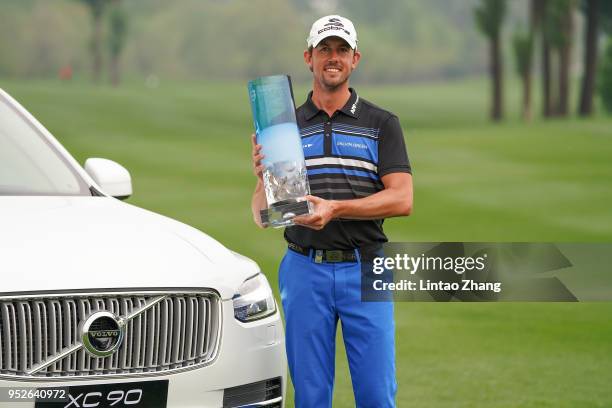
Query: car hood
[[74, 243]]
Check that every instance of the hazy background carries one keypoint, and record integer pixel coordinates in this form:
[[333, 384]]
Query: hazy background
[[402, 40]]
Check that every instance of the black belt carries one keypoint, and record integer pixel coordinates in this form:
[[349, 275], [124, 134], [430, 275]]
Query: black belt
[[335, 255]]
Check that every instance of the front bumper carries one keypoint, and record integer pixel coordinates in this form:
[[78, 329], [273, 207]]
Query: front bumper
[[248, 353]]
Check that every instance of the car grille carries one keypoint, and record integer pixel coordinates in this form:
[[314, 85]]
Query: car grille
[[40, 338]]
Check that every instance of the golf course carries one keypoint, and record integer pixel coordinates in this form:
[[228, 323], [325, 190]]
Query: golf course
[[187, 148]]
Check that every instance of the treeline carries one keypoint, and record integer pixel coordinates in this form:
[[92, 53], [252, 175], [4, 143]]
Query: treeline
[[550, 31], [402, 40]]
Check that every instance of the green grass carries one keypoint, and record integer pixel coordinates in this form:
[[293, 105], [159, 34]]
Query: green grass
[[187, 147]]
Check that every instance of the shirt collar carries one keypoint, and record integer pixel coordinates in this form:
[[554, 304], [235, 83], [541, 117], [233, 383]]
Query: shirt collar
[[351, 108]]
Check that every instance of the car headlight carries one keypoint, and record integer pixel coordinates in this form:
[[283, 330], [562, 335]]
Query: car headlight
[[254, 299]]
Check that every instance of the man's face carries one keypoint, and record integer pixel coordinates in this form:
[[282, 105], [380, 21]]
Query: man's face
[[332, 61]]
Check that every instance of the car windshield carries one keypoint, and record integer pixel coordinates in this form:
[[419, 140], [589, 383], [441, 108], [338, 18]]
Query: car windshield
[[29, 164]]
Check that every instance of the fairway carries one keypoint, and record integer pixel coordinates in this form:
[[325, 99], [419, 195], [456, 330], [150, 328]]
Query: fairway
[[187, 148]]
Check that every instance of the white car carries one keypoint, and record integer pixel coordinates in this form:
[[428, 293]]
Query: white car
[[103, 304]]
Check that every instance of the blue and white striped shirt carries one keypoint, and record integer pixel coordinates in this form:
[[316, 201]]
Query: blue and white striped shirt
[[346, 156]]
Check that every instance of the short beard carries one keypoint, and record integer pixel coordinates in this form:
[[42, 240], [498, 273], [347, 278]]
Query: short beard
[[333, 87]]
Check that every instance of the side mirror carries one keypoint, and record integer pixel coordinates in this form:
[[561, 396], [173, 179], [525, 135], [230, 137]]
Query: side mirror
[[112, 177]]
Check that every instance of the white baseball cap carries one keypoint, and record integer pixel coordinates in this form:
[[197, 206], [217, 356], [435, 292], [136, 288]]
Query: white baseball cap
[[332, 26]]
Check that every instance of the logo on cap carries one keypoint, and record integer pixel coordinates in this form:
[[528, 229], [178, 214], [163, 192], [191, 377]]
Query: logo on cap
[[334, 22]]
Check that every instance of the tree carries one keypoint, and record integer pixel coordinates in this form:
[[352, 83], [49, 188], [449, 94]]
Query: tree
[[116, 39], [558, 28], [605, 74], [605, 14], [96, 8], [547, 110], [523, 43], [598, 18], [605, 78], [567, 32], [523, 46], [590, 57], [489, 16]]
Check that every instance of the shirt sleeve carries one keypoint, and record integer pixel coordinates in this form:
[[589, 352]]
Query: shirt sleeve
[[392, 155]]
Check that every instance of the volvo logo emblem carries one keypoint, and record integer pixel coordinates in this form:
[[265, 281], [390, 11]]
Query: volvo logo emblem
[[102, 333]]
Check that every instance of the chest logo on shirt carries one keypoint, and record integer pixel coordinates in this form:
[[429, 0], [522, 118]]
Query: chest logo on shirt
[[352, 144], [307, 145]]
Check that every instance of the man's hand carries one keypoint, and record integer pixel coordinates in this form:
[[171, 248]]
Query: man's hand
[[256, 157], [323, 213], [258, 201]]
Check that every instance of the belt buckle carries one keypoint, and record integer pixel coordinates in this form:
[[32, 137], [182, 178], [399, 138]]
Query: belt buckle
[[333, 255], [318, 256]]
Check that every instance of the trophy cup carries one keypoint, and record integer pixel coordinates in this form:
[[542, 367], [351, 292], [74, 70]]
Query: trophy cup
[[284, 174]]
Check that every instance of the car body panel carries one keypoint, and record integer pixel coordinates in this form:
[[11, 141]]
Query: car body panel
[[85, 237]]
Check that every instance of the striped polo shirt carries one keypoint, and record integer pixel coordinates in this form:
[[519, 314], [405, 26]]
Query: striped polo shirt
[[346, 156]]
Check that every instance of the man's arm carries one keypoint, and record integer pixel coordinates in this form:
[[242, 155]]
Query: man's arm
[[395, 200], [258, 201]]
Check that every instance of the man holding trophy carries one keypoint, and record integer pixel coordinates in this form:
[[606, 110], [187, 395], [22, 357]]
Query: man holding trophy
[[358, 174]]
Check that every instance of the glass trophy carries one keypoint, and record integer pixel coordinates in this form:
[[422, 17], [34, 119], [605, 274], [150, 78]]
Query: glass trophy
[[284, 175]]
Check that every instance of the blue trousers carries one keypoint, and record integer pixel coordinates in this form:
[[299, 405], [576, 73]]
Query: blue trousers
[[315, 296]]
